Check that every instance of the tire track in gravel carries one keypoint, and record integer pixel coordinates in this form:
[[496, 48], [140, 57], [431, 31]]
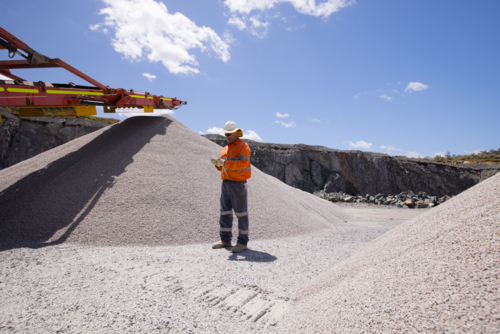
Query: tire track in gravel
[[250, 303]]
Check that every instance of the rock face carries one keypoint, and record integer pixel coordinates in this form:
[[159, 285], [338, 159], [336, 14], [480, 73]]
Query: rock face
[[316, 168], [23, 138]]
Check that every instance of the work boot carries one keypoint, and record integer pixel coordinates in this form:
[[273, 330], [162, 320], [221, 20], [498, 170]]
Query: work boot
[[220, 244], [238, 248]]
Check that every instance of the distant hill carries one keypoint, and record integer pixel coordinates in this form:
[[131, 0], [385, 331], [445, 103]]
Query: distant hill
[[483, 157]]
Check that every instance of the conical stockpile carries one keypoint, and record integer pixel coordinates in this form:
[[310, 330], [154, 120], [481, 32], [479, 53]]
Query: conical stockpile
[[438, 273], [144, 181]]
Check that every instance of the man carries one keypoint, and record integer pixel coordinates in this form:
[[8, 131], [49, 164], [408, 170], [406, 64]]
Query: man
[[234, 165]]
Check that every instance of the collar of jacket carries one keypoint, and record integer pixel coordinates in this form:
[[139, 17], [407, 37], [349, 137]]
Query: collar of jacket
[[235, 143]]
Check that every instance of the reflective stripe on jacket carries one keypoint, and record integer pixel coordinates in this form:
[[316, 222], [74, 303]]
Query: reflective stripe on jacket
[[237, 166]]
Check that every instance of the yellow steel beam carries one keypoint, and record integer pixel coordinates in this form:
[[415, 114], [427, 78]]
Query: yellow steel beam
[[85, 110]]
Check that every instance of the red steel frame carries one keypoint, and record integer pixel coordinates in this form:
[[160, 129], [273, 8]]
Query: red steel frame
[[22, 93]]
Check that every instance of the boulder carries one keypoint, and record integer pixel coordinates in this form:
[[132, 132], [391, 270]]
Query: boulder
[[409, 203], [420, 200], [420, 204]]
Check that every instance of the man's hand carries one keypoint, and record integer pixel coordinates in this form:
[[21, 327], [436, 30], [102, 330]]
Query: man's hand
[[218, 162]]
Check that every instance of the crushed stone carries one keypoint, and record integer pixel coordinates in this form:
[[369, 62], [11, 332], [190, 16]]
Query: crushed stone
[[111, 232], [438, 272], [144, 181]]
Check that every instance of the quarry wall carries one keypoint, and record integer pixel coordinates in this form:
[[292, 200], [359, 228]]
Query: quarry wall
[[23, 138], [309, 168], [316, 168]]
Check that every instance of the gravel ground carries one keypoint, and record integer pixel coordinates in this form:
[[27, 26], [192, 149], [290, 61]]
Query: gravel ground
[[111, 233], [439, 272], [73, 288]]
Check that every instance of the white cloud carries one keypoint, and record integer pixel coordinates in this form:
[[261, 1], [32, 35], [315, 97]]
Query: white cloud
[[286, 125], [252, 135], [356, 96], [258, 28], [416, 86], [244, 17], [94, 27], [149, 76], [237, 22], [229, 38], [360, 144], [413, 155], [389, 148], [215, 130], [316, 120], [395, 90], [146, 28], [442, 154], [309, 7], [387, 98], [281, 115], [130, 112], [248, 134], [246, 6], [474, 151], [253, 24]]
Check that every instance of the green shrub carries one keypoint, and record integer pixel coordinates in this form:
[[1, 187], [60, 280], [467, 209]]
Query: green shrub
[[491, 156]]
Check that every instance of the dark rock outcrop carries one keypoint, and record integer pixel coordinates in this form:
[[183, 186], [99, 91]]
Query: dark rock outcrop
[[23, 138], [406, 199], [314, 168]]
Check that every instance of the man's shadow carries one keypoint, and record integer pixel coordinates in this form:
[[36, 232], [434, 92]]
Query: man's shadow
[[252, 256], [63, 193]]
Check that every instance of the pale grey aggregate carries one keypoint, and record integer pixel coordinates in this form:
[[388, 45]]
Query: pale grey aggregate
[[137, 196], [437, 273], [73, 288], [97, 235], [145, 181]]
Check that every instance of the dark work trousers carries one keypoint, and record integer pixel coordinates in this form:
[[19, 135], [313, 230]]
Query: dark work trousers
[[233, 197]]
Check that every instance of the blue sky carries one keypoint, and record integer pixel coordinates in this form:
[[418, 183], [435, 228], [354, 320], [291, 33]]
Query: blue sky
[[411, 78]]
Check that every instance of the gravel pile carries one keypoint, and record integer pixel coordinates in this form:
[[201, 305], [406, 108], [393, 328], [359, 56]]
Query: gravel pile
[[147, 183], [144, 181], [439, 272]]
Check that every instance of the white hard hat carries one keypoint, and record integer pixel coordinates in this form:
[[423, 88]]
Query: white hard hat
[[231, 127]]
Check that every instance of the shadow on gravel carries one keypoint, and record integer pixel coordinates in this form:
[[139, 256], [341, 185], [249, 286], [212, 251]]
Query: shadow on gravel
[[253, 256], [60, 196]]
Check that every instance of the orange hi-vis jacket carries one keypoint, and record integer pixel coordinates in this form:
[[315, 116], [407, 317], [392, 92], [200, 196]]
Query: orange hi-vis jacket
[[237, 166]]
